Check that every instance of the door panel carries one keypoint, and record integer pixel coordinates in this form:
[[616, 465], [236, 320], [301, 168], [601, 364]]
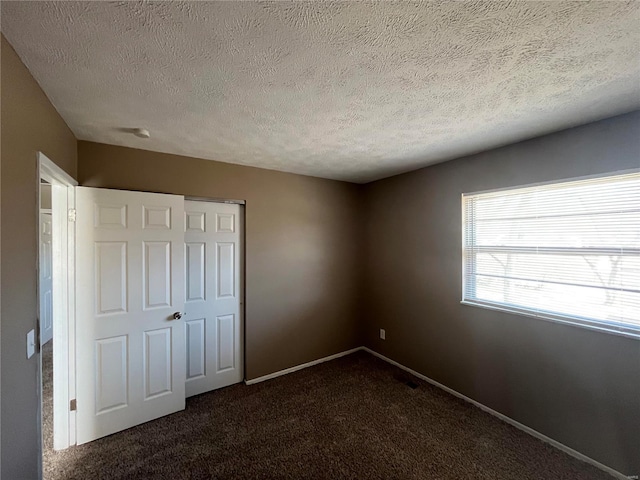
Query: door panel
[[225, 268], [130, 281], [196, 339], [111, 277], [226, 343], [194, 261], [157, 358], [112, 390], [213, 296], [157, 274], [110, 216], [46, 279]]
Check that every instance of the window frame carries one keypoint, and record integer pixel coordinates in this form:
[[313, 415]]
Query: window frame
[[603, 326]]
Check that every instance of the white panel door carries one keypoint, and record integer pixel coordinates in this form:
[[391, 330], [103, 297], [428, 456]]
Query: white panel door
[[130, 282], [213, 294], [46, 279]]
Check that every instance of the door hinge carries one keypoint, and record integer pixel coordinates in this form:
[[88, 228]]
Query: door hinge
[[72, 214], [73, 406]]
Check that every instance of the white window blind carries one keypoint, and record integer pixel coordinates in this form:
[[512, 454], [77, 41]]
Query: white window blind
[[568, 251]]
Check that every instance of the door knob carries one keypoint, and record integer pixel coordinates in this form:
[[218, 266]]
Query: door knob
[[177, 315]]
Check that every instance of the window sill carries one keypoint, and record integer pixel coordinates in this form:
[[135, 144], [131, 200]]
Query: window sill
[[628, 332]]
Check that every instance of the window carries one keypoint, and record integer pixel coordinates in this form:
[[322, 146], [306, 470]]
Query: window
[[568, 252]]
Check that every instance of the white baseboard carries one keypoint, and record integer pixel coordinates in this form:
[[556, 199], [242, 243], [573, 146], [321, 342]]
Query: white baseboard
[[504, 418], [301, 366]]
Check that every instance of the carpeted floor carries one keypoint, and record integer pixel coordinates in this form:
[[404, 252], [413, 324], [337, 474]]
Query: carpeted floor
[[47, 397], [352, 418]]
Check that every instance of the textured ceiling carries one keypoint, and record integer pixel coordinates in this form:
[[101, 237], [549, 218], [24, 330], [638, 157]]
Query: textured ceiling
[[351, 91]]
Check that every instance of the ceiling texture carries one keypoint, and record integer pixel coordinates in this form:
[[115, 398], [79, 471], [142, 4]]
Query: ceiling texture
[[351, 91]]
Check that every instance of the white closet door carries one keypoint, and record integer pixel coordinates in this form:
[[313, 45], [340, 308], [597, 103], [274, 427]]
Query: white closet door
[[213, 323], [46, 279], [130, 281]]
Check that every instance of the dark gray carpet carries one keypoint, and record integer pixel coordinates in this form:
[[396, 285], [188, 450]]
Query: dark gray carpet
[[47, 396], [352, 418]]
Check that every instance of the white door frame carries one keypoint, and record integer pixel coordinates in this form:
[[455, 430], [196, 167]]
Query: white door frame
[[63, 246]]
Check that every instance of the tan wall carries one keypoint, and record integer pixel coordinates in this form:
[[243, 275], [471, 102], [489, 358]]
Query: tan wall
[[29, 124], [302, 246], [577, 386]]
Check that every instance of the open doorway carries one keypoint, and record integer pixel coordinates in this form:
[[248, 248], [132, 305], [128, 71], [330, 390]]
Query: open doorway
[[56, 290], [45, 292]]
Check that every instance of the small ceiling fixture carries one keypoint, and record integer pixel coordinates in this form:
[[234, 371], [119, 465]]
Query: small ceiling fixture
[[141, 132]]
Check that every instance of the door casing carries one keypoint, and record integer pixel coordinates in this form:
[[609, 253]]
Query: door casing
[[63, 293]]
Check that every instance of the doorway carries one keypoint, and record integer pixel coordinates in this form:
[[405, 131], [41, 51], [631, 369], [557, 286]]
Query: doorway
[[56, 289], [45, 292]]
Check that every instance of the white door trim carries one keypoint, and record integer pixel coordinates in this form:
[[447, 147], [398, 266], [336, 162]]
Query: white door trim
[[63, 200]]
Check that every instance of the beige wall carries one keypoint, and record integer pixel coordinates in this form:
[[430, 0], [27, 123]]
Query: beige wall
[[302, 246], [29, 124], [577, 386]]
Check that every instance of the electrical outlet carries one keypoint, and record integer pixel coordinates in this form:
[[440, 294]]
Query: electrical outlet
[[383, 334]]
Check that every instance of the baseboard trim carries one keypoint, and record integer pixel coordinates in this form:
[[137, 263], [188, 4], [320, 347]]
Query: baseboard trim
[[302, 366], [484, 408], [504, 418]]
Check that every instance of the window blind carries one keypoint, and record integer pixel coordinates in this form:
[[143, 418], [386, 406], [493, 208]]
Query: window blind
[[568, 251]]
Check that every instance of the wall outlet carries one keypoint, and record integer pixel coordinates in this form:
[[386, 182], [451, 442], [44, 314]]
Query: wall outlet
[[383, 334]]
